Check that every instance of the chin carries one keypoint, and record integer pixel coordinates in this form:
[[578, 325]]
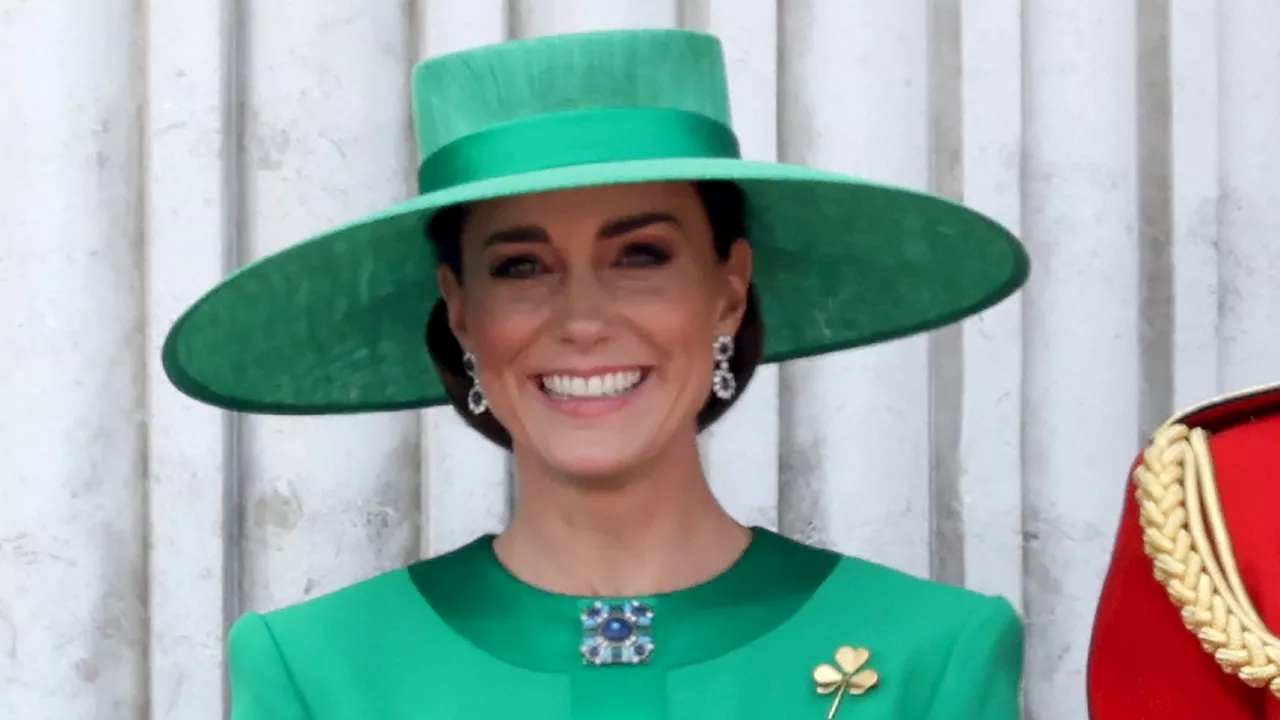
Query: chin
[[591, 461], [591, 453]]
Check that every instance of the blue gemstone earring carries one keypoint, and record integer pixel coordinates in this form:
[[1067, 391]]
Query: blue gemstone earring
[[722, 382], [617, 633], [477, 403]]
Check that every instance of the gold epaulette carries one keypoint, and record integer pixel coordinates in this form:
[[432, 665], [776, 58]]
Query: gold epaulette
[[1186, 537]]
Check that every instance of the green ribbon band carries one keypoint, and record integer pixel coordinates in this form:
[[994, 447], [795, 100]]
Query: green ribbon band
[[575, 137]]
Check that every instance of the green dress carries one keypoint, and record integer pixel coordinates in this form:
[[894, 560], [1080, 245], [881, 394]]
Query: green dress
[[457, 636]]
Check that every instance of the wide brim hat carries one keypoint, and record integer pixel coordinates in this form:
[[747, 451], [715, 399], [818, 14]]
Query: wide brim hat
[[336, 323], [1181, 630]]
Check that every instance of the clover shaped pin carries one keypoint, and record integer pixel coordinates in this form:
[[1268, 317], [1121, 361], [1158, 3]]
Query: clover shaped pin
[[847, 676]]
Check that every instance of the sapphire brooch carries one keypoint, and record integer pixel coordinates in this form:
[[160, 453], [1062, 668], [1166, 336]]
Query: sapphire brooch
[[617, 633]]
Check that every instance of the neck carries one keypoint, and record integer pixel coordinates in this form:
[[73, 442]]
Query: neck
[[658, 531]]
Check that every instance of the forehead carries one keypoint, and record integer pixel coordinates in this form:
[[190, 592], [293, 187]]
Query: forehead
[[593, 205]]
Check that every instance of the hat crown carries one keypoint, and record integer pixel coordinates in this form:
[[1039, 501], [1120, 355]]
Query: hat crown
[[463, 93]]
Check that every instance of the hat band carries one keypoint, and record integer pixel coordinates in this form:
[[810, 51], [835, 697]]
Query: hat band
[[575, 137]]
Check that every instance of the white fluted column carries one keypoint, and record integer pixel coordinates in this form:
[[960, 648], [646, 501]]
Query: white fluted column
[[191, 208], [741, 451], [1082, 335], [1249, 246], [72, 519], [327, 500], [465, 477], [990, 457], [1194, 187], [856, 425]]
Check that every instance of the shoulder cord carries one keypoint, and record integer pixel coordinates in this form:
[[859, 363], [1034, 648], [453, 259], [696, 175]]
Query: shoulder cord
[[1177, 494]]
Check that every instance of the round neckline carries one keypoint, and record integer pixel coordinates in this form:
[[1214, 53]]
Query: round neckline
[[538, 629], [691, 595]]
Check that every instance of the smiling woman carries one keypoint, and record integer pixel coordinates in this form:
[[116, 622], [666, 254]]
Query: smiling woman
[[595, 304], [600, 278]]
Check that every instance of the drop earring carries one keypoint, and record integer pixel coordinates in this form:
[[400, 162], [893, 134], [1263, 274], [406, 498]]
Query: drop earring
[[476, 401], [722, 382]]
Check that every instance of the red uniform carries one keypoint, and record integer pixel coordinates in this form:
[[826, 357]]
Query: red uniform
[[1187, 621]]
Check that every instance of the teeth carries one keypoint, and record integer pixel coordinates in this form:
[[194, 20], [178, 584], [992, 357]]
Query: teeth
[[576, 386]]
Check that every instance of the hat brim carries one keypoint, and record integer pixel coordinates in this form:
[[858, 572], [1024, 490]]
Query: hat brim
[[335, 324]]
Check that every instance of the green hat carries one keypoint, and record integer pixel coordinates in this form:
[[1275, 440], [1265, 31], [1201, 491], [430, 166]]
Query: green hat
[[336, 324]]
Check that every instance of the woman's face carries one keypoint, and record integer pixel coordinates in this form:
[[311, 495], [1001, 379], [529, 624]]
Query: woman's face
[[592, 314]]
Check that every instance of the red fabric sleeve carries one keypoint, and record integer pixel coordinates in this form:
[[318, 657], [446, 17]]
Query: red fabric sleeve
[[1143, 663]]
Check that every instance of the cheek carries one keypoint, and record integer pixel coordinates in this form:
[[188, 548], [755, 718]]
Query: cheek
[[677, 320], [503, 327]]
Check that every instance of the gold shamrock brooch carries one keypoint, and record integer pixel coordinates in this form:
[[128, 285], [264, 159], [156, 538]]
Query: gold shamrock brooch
[[847, 676]]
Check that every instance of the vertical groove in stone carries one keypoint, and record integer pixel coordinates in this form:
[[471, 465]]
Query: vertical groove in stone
[[411, 29], [234, 54], [1155, 221], [946, 346]]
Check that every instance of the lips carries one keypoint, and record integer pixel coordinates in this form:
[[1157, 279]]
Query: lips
[[612, 384]]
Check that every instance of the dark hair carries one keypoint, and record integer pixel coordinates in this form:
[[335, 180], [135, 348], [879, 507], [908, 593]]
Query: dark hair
[[725, 205]]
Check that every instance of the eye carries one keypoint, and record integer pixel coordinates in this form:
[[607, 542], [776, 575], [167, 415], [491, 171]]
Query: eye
[[641, 255], [516, 268]]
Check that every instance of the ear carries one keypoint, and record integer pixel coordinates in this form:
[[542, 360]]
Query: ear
[[455, 302], [737, 287]]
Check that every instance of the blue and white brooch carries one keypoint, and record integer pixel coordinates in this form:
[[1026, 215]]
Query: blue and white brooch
[[617, 633]]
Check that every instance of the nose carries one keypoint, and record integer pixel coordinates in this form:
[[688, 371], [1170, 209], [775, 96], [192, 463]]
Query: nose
[[585, 305]]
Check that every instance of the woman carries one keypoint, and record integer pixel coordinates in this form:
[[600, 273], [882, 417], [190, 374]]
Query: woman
[[589, 291]]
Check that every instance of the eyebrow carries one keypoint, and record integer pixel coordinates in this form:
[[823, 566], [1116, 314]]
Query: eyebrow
[[612, 229]]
